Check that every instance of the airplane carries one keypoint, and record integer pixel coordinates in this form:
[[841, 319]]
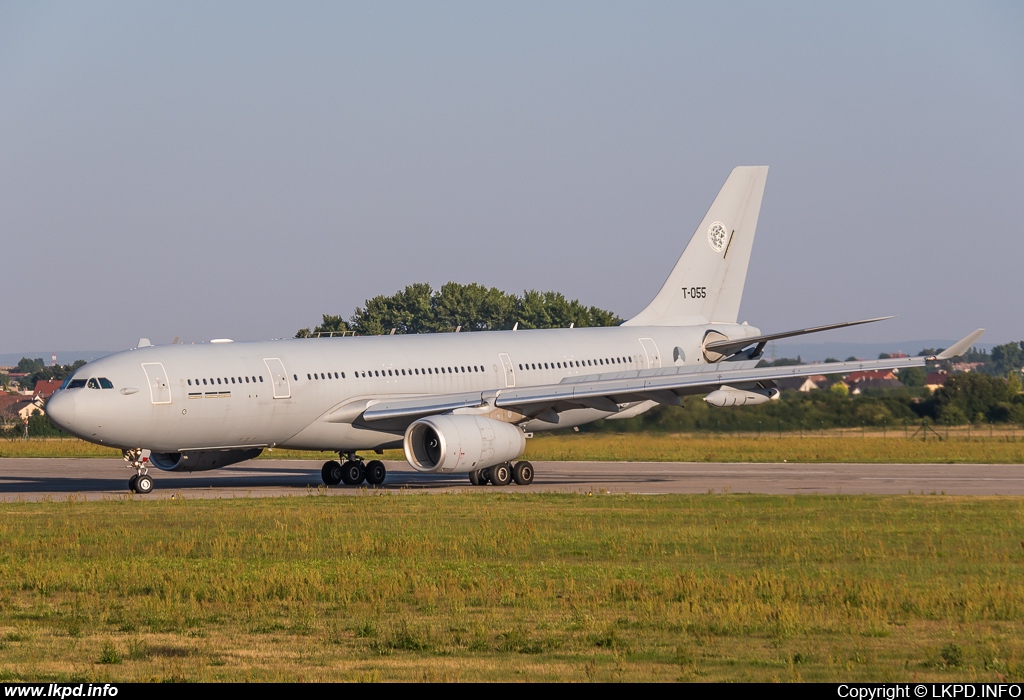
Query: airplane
[[456, 403]]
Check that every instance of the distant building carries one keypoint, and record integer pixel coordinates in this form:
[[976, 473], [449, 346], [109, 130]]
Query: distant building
[[45, 387], [966, 367], [804, 384], [865, 384], [935, 380], [870, 376], [15, 408]]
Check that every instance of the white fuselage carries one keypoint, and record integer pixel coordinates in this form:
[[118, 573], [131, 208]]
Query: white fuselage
[[294, 393]]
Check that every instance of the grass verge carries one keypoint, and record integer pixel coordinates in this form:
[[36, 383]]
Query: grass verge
[[481, 587], [854, 447]]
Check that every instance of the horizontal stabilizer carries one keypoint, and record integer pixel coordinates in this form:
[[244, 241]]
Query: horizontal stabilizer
[[729, 347], [961, 346]]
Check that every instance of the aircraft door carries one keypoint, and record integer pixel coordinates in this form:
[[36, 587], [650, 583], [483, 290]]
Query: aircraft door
[[159, 387], [510, 374], [278, 377], [651, 352]]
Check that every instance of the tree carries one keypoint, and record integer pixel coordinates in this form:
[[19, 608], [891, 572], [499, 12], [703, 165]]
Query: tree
[[473, 307], [1007, 358], [912, 377], [971, 397], [30, 366], [331, 324]]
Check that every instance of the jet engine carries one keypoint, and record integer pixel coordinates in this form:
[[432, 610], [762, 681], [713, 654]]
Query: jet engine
[[728, 396], [460, 444], [201, 460]]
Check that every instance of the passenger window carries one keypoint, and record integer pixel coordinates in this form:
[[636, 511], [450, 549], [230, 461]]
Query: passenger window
[[261, 378], [336, 375], [190, 382], [342, 375], [105, 383], [218, 380], [93, 384], [232, 380], [246, 380]]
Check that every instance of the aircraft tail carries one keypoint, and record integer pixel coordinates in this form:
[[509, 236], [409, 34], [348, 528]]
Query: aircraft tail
[[706, 285]]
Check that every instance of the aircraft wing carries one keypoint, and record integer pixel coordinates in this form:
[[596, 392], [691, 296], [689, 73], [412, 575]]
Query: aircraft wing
[[607, 391]]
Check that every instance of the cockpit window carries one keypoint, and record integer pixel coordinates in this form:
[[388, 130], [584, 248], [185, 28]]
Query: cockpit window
[[106, 383], [93, 384], [76, 384]]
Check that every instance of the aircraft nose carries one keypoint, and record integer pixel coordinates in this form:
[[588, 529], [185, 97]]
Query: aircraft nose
[[61, 409]]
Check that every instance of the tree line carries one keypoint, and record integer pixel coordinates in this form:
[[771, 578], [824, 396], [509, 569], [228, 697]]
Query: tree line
[[467, 307], [37, 370]]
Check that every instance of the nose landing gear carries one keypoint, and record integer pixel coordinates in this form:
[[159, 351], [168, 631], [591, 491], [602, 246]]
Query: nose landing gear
[[141, 481]]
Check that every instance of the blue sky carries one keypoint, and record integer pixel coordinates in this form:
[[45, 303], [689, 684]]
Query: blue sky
[[236, 170]]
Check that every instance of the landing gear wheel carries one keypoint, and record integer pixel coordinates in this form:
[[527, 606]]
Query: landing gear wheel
[[352, 473], [331, 473], [500, 474], [132, 482], [477, 478], [523, 473], [143, 483], [375, 472]]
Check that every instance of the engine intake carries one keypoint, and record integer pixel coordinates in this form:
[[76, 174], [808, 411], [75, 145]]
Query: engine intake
[[460, 444], [201, 460]]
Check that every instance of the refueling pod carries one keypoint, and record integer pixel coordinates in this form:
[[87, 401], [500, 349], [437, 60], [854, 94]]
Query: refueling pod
[[461, 444], [201, 460], [728, 396]]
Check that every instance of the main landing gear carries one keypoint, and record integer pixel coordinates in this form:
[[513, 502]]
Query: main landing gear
[[141, 481], [503, 474], [353, 472]]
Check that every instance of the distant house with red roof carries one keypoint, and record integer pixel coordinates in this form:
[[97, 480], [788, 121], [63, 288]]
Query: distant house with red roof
[[15, 408], [934, 380], [45, 387], [869, 375]]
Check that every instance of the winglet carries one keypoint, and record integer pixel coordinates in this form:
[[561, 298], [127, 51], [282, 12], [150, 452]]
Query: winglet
[[959, 347]]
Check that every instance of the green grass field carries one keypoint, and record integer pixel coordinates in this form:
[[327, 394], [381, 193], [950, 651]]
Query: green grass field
[[482, 586], [961, 446]]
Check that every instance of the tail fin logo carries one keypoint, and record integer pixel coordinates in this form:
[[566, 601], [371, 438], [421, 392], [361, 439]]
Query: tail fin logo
[[716, 236]]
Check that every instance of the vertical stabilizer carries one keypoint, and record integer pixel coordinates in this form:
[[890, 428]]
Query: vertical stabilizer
[[706, 285]]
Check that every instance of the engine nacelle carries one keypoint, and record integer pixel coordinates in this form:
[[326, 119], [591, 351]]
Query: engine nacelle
[[201, 460], [459, 444], [728, 396]]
